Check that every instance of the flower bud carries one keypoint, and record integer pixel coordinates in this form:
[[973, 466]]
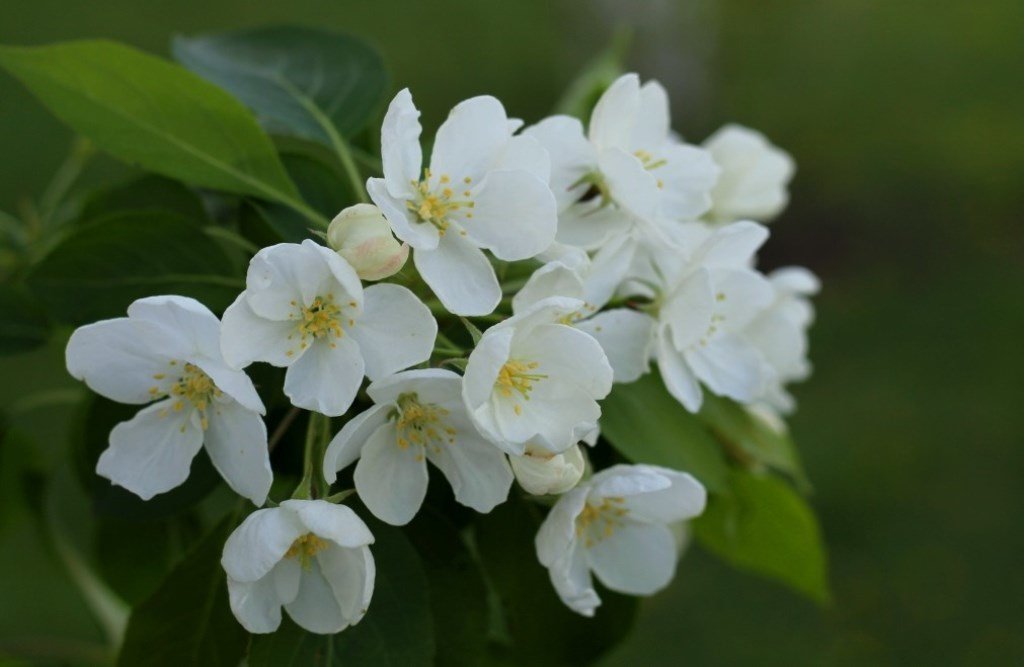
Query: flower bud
[[542, 473], [363, 236]]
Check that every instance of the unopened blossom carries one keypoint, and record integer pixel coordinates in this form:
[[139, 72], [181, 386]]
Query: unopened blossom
[[630, 157], [542, 473], [780, 333], [167, 353], [754, 178], [485, 189], [626, 335], [533, 378], [311, 557], [617, 525], [304, 308], [418, 416], [363, 237], [702, 312]]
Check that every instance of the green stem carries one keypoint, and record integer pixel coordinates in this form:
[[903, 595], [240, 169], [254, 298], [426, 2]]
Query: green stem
[[317, 434], [341, 149], [81, 152]]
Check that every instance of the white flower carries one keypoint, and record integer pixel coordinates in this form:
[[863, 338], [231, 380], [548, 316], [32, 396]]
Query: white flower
[[534, 378], [310, 557], [485, 189], [418, 417], [304, 308], [703, 314], [363, 237], [542, 473], [168, 350], [627, 336], [616, 525], [780, 333], [754, 176], [631, 156]]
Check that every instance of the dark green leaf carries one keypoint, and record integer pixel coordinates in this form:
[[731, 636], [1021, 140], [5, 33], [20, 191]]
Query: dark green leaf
[[146, 193], [457, 591], [754, 437], [647, 425], [396, 631], [303, 82], [23, 323], [762, 525], [543, 631], [100, 268], [145, 110], [188, 621], [98, 417]]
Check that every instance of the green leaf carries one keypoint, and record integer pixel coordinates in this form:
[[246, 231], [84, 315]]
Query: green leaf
[[100, 268], [188, 621], [457, 590], [397, 629], [145, 193], [764, 526], [646, 425], [96, 419], [754, 436], [303, 82], [147, 111], [542, 630], [23, 323]]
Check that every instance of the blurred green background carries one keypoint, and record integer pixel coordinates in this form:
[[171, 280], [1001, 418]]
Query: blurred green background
[[906, 119]]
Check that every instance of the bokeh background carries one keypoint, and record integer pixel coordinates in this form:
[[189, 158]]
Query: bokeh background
[[906, 118]]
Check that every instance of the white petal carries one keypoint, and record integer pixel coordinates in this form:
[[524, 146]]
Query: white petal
[[471, 140], [608, 269], [337, 523], [256, 546], [255, 604], [741, 295], [400, 144], [611, 123], [678, 378], [460, 275], [571, 579], [235, 384], [477, 470], [631, 186], [325, 378], [729, 367], [391, 479], [552, 279], [687, 177], [572, 156], [526, 153], [637, 559], [514, 215], [346, 446], [351, 574], [315, 608], [733, 245], [185, 319], [246, 337], [395, 331], [689, 308], [569, 355], [236, 441], [405, 224], [589, 225], [485, 362], [684, 499], [627, 337], [431, 385], [287, 576], [557, 534], [653, 119], [152, 452], [119, 358]]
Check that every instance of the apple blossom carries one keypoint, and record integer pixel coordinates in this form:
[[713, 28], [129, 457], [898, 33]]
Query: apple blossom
[[752, 184], [363, 237]]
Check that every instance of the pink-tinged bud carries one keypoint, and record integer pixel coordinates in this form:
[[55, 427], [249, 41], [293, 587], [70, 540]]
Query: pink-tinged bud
[[363, 237]]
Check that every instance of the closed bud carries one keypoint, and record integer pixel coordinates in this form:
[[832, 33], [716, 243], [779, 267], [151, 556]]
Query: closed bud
[[363, 237], [542, 473]]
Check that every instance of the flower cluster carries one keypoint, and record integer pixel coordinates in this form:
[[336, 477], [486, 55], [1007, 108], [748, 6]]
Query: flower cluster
[[633, 250]]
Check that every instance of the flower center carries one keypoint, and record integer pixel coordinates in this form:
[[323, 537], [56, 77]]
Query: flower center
[[305, 547], [320, 319], [597, 522], [517, 376], [422, 424], [436, 203], [193, 387]]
